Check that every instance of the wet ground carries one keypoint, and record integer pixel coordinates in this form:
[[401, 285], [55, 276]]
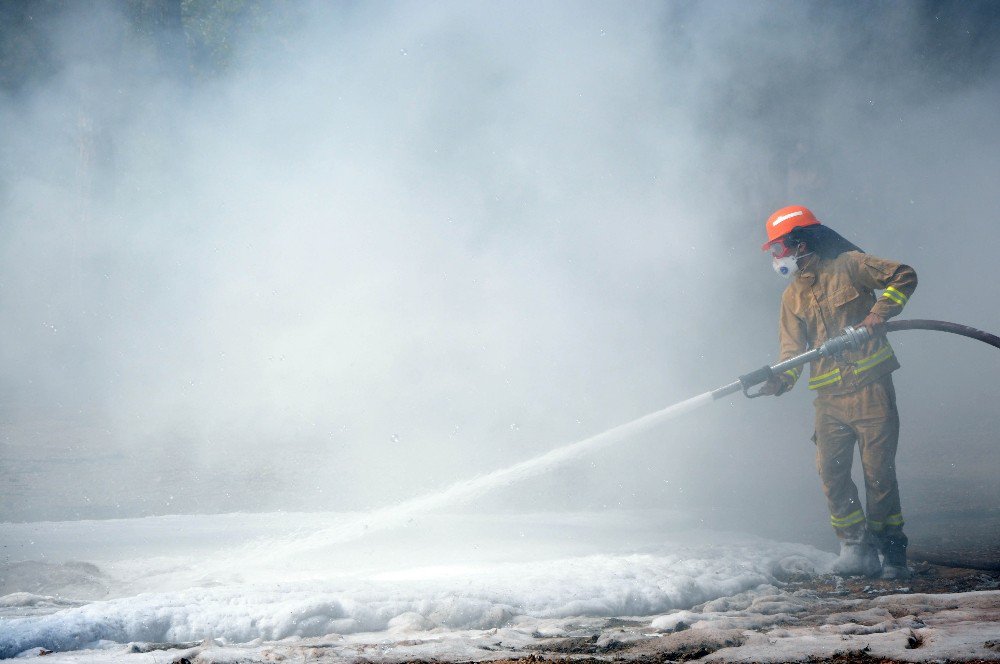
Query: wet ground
[[632, 641], [927, 578]]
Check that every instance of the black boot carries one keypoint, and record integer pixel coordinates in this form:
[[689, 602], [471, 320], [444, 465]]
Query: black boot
[[893, 546]]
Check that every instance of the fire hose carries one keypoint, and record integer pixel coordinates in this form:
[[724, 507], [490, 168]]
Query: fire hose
[[851, 339]]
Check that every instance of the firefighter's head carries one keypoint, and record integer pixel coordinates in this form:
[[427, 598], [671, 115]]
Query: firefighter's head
[[786, 248], [794, 233]]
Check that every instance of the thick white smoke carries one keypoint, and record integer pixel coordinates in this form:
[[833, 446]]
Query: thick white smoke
[[394, 245]]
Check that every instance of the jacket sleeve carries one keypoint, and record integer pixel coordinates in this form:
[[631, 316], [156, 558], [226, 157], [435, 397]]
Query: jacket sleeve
[[792, 341], [897, 282]]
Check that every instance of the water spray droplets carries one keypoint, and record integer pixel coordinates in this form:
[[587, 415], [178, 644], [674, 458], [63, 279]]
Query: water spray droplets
[[463, 491]]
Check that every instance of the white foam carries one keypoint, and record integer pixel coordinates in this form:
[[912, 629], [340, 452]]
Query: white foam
[[635, 572]]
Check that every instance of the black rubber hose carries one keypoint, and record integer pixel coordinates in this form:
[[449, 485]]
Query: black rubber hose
[[943, 326]]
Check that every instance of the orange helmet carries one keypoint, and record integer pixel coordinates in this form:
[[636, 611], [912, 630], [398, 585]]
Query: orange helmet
[[784, 220]]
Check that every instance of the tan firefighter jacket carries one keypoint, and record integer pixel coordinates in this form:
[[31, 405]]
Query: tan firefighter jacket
[[831, 294]]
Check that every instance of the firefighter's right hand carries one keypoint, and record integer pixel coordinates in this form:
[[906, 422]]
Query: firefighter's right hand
[[775, 386]]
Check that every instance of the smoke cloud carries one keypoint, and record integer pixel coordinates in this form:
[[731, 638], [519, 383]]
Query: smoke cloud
[[368, 249]]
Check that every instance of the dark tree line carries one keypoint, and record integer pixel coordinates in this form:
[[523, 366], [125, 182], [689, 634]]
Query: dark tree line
[[104, 57], [185, 39]]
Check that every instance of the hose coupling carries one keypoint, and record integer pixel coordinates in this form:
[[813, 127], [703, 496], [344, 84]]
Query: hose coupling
[[851, 339]]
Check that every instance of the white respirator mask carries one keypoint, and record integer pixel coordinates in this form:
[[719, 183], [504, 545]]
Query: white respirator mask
[[784, 262], [786, 267]]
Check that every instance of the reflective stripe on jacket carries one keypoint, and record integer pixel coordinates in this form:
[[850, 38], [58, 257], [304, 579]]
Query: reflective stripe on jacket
[[827, 296]]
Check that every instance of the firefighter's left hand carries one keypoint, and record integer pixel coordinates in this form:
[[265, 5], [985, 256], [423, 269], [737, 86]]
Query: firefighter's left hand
[[874, 323], [774, 387]]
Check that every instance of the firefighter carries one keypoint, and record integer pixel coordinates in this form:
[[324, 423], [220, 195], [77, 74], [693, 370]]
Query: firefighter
[[833, 284]]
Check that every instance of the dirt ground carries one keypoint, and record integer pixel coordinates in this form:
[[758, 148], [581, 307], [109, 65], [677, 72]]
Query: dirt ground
[[677, 647], [927, 578]]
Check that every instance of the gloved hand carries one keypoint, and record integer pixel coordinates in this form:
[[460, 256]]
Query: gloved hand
[[874, 323], [775, 386]]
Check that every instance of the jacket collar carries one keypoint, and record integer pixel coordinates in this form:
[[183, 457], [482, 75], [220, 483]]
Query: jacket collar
[[807, 275]]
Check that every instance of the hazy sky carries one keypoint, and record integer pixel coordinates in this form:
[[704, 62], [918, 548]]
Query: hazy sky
[[394, 245]]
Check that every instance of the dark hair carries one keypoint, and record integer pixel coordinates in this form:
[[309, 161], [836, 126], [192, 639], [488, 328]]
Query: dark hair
[[822, 240]]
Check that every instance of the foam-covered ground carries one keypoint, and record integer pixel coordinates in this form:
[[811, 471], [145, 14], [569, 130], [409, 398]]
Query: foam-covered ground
[[456, 587]]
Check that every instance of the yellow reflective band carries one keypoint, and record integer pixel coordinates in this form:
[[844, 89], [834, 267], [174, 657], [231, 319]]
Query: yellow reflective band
[[873, 360], [844, 519], [857, 516], [891, 520], [897, 292], [794, 373], [895, 295], [825, 375], [828, 378], [831, 381]]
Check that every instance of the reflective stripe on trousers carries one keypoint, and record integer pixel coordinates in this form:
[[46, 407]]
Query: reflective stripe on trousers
[[891, 521]]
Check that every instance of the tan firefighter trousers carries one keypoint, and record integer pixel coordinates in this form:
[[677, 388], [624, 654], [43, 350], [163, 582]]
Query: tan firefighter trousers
[[868, 417]]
